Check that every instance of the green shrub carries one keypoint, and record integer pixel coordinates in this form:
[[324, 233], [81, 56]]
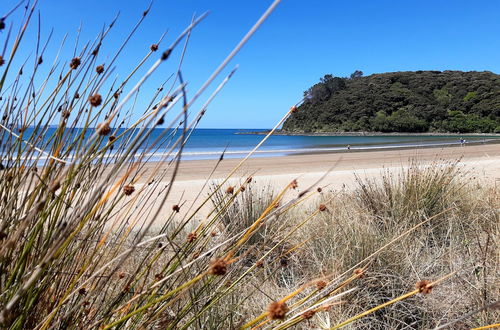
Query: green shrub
[[470, 96]]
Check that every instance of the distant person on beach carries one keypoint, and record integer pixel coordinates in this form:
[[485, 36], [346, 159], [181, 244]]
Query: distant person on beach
[[348, 147], [462, 142]]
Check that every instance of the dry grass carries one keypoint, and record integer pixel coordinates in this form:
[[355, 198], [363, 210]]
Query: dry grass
[[464, 240]]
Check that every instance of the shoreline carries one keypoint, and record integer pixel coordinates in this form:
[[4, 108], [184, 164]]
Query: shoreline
[[443, 134], [317, 162], [334, 149], [389, 147]]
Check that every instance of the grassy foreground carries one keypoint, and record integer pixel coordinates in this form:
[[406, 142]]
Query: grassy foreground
[[416, 249]]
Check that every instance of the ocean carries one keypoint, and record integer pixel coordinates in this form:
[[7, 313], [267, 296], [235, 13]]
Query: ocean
[[211, 143]]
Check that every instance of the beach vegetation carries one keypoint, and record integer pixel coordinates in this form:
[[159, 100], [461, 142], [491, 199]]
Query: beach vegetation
[[90, 240]]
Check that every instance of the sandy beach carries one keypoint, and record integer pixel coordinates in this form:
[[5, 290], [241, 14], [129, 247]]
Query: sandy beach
[[481, 161]]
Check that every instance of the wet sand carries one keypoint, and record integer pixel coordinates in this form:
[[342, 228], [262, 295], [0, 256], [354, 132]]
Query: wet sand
[[348, 161]]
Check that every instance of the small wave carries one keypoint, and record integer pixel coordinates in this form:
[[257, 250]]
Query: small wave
[[215, 153]]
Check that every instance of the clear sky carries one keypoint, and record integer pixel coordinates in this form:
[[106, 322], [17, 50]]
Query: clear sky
[[301, 41]]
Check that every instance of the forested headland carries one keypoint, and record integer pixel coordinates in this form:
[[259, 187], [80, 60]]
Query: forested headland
[[412, 102]]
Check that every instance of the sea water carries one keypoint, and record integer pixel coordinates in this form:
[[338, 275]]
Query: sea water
[[237, 143]]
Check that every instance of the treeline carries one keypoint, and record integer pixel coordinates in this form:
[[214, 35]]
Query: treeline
[[414, 102]]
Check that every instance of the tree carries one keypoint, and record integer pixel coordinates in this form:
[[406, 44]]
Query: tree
[[380, 122], [326, 78], [403, 121], [442, 96], [324, 89], [411, 102], [356, 74]]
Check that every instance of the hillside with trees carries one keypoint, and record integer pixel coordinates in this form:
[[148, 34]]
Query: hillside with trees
[[413, 102]]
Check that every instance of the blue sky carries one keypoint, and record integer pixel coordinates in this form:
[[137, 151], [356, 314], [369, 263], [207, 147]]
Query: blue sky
[[301, 41]]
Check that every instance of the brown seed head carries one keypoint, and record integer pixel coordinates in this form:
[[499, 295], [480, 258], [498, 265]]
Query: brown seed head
[[95, 100], [99, 69], [320, 285], [218, 267], [230, 190], [103, 129], [359, 272], [96, 50], [75, 63], [154, 47], [277, 310], [128, 190], [122, 275], [160, 121], [196, 255], [322, 207], [40, 60], [65, 114], [319, 189], [259, 264], [424, 286], [82, 291], [294, 184], [307, 315], [2, 24], [213, 234], [176, 208], [158, 277], [2, 61], [242, 188], [249, 179], [112, 138], [293, 109], [192, 237], [77, 96]]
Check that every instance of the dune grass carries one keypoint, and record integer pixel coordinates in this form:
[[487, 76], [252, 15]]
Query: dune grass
[[79, 250]]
